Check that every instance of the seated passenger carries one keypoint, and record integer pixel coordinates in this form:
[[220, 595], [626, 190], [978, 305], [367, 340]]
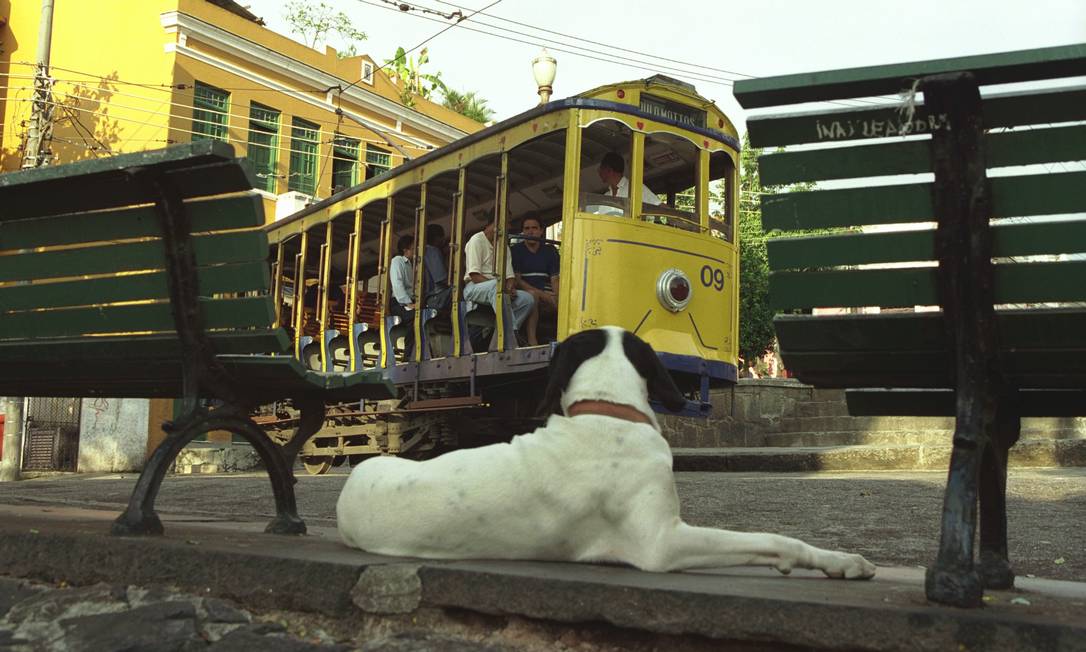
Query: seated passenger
[[336, 297], [536, 267], [402, 281], [611, 172], [436, 276], [482, 280]]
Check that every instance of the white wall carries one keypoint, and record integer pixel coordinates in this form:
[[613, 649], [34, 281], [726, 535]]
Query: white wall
[[113, 434]]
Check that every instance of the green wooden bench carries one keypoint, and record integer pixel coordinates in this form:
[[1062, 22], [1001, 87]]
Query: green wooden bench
[[146, 275], [1003, 273]]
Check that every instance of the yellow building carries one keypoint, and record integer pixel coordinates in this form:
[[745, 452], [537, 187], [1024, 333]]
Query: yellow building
[[141, 74]]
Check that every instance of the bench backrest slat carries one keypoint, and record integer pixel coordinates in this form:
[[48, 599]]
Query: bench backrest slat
[[1047, 145], [219, 279], [1012, 196], [200, 169], [112, 258], [236, 212], [1067, 236], [905, 287], [1001, 68], [149, 347], [1048, 106], [234, 313]]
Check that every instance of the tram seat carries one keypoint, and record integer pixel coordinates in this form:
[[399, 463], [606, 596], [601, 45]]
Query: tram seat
[[479, 321]]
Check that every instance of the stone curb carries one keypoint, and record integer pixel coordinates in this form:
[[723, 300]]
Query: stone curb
[[318, 575], [1034, 453]]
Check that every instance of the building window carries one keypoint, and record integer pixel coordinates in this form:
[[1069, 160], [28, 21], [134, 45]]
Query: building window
[[344, 162], [367, 72], [378, 161], [263, 150], [304, 140], [210, 108]]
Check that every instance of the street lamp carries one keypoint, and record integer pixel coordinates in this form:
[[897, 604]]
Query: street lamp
[[543, 68]]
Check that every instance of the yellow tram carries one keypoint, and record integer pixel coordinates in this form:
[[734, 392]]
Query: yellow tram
[[659, 259]]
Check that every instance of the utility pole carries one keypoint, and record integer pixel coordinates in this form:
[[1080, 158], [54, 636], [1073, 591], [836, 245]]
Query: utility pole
[[40, 133], [13, 440]]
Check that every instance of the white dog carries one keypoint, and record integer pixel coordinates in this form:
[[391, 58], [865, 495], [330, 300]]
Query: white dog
[[593, 485]]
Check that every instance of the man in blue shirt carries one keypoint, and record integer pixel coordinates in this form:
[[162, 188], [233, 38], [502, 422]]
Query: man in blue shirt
[[536, 266]]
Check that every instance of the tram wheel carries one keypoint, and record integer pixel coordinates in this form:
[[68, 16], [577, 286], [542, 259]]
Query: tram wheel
[[317, 464]]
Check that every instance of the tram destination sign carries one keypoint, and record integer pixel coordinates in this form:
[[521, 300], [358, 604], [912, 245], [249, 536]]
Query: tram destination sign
[[680, 113]]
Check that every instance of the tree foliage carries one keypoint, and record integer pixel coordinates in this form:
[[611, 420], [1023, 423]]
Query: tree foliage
[[469, 104], [755, 316], [406, 72], [314, 21]]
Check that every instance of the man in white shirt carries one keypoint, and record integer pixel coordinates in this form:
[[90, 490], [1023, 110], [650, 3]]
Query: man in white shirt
[[482, 281], [402, 279], [611, 172]]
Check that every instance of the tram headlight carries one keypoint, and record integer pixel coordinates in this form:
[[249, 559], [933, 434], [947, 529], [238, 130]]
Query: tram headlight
[[673, 289]]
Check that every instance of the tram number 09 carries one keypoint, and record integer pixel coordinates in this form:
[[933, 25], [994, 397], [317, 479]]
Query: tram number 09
[[712, 277]]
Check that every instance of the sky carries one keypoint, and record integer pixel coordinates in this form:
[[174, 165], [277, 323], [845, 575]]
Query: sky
[[715, 40]]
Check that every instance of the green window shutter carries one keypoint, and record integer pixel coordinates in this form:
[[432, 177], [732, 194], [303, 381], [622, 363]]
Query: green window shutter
[[344, 162], [263, 150], [304, 142], [210, 109], [378, 161]]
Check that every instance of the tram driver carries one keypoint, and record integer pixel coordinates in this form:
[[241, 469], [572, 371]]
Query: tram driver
[[611, 171], [481, 280]]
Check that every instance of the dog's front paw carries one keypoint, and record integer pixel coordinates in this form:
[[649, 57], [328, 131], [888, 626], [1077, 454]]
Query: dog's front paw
[[848, 566]]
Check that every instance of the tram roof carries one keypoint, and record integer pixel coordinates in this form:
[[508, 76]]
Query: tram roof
[[576, 102]]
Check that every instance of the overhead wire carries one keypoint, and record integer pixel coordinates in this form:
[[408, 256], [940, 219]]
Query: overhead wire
[[604, 57], [600, 43], [461, 19]]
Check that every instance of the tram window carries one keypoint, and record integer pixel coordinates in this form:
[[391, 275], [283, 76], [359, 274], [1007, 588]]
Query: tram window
[[671, 166], [722, 188], [604, 189]]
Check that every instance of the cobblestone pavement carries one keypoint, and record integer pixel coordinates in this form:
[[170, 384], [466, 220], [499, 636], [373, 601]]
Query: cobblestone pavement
[[37, 617], [890, 517]]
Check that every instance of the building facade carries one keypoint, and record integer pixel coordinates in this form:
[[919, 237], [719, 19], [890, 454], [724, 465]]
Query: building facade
[[132, 75]]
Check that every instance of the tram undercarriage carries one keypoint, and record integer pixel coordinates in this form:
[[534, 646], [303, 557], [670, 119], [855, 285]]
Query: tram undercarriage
[[445, 416]]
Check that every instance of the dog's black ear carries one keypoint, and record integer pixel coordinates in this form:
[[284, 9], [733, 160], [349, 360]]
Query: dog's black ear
[[660, 384], [567, 358]]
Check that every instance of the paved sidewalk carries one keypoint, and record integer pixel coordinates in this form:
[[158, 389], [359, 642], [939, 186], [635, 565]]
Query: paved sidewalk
[[892, 518], [381, 603]]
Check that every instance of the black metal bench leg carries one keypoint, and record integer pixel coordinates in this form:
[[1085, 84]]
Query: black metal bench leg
[[140, 517], [995, 568], [953, 579], [962, 201]]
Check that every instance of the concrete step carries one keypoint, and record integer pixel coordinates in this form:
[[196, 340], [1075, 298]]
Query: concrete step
[[828, 395], [863, 424], [895, 437], [1035, 453], [821, 409]]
